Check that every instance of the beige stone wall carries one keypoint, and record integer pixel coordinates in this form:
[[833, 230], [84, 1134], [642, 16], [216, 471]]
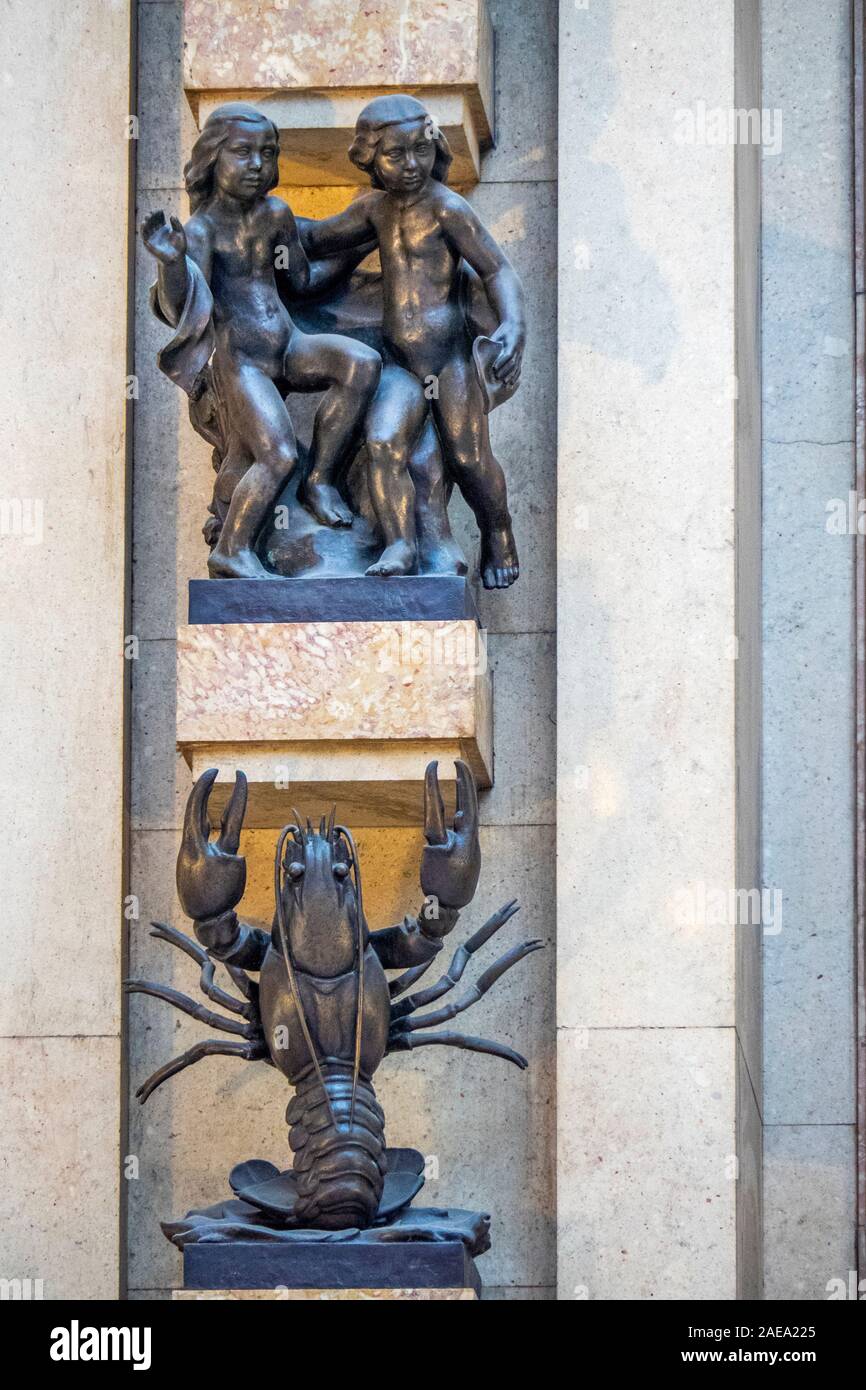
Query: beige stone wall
[[490, 1129], [657, 446], [810, 1148], [63, 282]]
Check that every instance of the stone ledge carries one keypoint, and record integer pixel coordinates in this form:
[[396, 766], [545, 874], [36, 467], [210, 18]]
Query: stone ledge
[[317, 128], [377, 785]]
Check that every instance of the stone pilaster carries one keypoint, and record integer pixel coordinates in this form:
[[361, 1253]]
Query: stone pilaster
[[657, 814], [63, 403]]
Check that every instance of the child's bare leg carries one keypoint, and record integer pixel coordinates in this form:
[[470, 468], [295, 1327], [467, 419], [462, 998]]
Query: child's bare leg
[[262, 422], [393, 423], [350, 371], [463, 430], [438, 552]]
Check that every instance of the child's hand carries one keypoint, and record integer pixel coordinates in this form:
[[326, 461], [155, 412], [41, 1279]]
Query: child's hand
[[167, 243], [507, 366]]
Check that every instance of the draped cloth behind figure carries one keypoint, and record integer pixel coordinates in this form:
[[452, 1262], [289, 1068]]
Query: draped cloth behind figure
[[293, 543]]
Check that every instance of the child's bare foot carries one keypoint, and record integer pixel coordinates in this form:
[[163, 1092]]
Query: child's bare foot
[[397, 558], [244, 565], [499, 563], [326, 504], [445, 557]]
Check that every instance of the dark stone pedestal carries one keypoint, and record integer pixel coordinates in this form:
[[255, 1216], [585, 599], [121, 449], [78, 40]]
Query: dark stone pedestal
[[419, 598], [323, 1264]]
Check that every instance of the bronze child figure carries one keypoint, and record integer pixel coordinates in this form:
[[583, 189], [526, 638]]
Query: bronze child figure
[[217, 285], [424, 232]]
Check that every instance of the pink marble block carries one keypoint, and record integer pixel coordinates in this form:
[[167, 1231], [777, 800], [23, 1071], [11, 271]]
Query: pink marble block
[[313, 64], [347, 712], [303, 45]]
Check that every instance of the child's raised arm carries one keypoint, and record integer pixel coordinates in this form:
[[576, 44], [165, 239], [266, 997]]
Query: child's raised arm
[[171, 243]]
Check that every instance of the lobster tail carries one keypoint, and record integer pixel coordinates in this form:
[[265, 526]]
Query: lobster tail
[[337, 1134]]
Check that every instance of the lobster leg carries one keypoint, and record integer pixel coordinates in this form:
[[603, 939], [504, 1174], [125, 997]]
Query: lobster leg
[[403, 982], [474, 993], [248, 988], [206, 981], [189, 1006], [459, 961], [406, 1042], [247, 1051]]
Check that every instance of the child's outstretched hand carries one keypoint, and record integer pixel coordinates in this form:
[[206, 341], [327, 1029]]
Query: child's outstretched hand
[[166, 242], [507, 366]]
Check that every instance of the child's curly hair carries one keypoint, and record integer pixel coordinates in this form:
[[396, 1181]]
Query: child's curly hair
[[394, 110], [198, 172]]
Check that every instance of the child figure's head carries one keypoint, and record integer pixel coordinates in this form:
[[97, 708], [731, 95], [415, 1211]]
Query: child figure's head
[[237, 153], [399, 145]]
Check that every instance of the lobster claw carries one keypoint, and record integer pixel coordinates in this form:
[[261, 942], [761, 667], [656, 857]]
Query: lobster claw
[[451, 862], [211, 876]]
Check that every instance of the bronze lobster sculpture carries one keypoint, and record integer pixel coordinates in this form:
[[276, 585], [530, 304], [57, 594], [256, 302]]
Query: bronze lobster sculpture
[[323, 1011]]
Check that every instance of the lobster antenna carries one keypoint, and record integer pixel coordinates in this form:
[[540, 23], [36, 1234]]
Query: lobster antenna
[[293, 984], [359, 1019]]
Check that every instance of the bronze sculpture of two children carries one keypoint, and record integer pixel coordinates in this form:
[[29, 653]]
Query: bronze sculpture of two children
[[223, 284]]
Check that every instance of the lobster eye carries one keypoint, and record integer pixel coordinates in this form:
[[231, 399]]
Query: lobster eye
[[296, 870], [341, 868]]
